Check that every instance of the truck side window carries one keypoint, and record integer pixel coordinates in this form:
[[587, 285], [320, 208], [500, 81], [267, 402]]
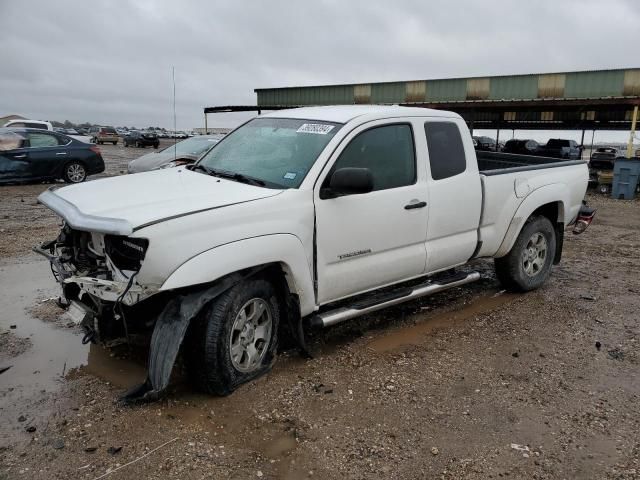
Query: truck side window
[[446, 152], [387, 151]]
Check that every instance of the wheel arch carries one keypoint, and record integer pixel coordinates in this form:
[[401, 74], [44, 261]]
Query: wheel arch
[[281, 256], [550, 201]]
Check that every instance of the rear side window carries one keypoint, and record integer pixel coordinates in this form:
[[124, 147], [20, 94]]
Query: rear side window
[[446, 152], [38, 140], [386, 151], [35, 125]]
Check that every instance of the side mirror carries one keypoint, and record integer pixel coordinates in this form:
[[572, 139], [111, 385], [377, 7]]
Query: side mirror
[[348, 181]]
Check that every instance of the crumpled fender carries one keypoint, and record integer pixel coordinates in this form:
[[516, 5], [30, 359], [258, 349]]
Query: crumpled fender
[[169, 332]]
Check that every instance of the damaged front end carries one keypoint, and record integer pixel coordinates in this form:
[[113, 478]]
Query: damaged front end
[[97, 273]]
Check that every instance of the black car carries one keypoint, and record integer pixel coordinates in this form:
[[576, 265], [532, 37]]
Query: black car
[[484, 143], [561, 148], [141, 139], [28, 154], [522, 147], [604, 158]]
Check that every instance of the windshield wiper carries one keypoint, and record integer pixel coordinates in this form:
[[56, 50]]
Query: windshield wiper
[[238, 177], [199, 167]]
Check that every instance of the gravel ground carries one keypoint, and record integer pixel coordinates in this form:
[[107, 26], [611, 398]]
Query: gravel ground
[[471, 383]]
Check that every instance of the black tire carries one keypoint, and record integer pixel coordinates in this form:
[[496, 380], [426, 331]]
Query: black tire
[[155, 145], [115, 143], [74, 172], [511, 269], [209, 359]]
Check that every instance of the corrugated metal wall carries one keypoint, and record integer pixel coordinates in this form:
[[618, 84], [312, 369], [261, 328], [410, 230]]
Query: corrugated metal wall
[[446, 90], [591, 84]]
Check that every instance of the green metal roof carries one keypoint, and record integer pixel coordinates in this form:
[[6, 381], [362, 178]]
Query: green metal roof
[[596, 84]]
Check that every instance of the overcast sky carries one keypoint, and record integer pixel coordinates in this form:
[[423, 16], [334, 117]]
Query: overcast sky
[[110, 62]]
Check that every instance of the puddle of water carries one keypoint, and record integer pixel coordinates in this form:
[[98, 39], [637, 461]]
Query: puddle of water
[[55, 352], [39, 370], [123, 373], [413, 335], [41, 366]]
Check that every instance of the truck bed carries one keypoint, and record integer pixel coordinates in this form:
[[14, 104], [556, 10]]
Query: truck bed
[[495, 163], [507, 179]]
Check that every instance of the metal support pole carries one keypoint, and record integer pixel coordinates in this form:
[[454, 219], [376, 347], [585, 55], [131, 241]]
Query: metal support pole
[[206, 128], [582, 144], [498, 138], [632, 133]]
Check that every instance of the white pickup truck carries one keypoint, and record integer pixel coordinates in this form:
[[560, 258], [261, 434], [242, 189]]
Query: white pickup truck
[[311, 215]]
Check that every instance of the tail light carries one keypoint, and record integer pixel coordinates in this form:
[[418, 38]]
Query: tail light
[[585, 217], [95, 149]]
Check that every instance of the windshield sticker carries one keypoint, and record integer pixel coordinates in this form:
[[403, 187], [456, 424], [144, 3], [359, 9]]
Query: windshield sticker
[[290, 175], [317, 128]]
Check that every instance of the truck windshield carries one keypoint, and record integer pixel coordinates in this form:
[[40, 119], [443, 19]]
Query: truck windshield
[[276, 151]]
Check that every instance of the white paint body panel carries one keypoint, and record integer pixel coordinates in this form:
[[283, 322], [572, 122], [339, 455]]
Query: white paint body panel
[[201, 228]]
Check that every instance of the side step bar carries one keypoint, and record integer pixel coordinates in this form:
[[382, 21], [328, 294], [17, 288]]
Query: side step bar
[[363, 307]]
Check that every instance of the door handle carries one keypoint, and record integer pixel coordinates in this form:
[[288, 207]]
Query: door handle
[[20, 157], [412, 206], [61, 153]]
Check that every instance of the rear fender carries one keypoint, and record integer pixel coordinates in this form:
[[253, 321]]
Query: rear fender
[[284, 249], [549, 194]]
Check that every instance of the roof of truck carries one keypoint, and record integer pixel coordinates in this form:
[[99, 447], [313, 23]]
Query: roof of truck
[[345, 113]]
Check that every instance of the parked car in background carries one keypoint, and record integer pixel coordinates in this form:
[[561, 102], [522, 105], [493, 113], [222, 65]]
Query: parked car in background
[[485, 143], [73, 133], [561, 148], [104, 135], [28, 154], [39, 124], [182, 153], [136, 138], [522, 147], [603, 158]]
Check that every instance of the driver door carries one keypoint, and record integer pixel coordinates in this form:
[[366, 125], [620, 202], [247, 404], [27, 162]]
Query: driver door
[[369, 240]]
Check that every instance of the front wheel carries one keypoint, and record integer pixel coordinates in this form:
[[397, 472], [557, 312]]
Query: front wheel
[[74, 172], [528, 265], [234, 339]]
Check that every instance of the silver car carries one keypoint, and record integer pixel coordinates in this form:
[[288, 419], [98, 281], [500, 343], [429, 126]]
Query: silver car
[[182, 153]]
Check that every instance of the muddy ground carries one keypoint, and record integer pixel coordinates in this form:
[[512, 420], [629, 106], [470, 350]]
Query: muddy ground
[[471, 383]]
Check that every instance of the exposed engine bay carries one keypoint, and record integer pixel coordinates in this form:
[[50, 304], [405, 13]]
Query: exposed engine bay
[[97, 274]]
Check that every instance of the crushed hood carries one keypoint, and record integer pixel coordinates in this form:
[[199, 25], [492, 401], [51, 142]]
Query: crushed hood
[[120, 205]]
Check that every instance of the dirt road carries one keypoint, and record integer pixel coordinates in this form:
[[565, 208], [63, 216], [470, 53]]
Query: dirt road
[[471, 383]]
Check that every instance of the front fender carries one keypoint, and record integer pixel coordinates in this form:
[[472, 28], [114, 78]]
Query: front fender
[[285, 249], [554, 193]]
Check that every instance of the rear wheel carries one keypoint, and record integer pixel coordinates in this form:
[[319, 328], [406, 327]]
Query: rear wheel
[[74, 172], [528, 265], [234, 339]]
